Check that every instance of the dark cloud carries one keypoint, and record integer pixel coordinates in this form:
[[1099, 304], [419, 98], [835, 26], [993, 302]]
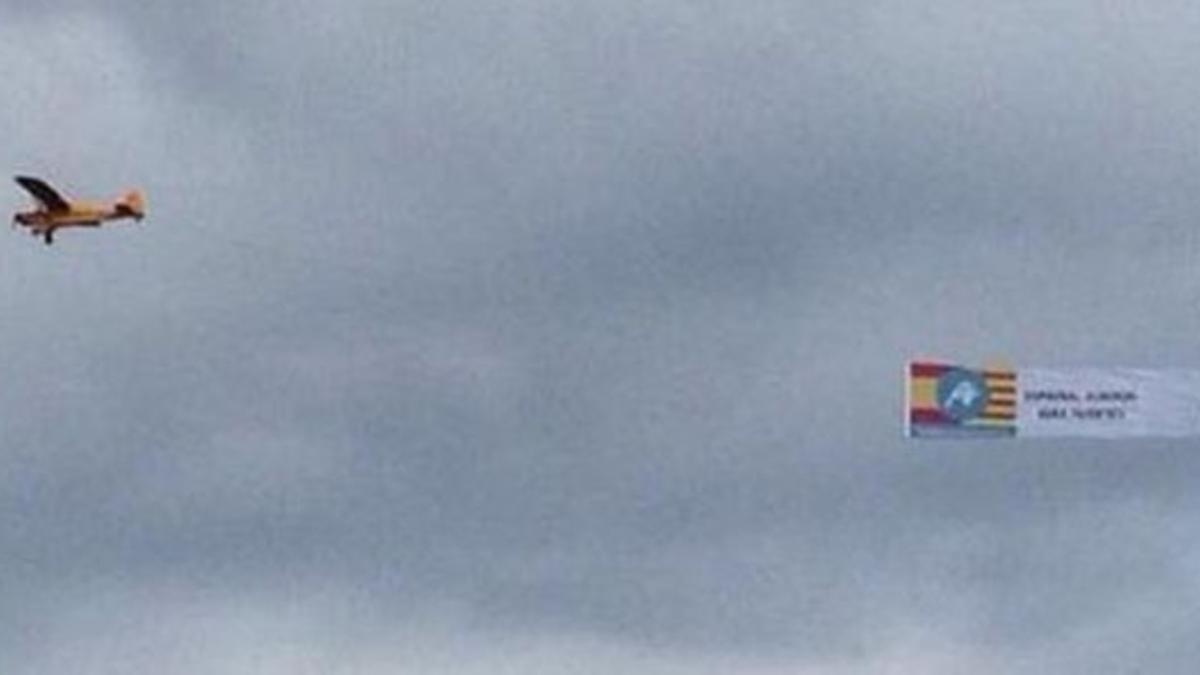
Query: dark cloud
[[568, 337]]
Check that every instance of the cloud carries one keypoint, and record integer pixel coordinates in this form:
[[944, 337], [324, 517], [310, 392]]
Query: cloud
[[200, 631], [567, 338]]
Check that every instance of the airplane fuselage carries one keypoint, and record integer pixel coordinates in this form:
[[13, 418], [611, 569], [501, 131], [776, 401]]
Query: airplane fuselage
[[81, 214]]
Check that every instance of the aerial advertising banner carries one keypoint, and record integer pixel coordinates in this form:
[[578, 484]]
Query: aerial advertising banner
[[949, 400]]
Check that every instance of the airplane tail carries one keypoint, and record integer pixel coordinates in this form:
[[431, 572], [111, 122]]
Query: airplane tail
[[135, 202]]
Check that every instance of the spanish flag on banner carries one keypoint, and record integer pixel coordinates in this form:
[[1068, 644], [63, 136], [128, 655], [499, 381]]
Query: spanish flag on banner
[[952, 400]]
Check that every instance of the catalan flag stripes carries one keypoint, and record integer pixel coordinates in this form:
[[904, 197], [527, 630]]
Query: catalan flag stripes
[[947, 399]]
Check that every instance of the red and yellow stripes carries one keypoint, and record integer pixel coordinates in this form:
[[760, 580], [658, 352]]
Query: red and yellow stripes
[[1002, 396], [1000, 409]]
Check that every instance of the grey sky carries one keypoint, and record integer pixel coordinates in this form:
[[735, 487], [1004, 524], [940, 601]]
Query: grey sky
[[545, 337]]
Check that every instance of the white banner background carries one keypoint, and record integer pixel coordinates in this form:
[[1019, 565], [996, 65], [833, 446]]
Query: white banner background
[[1108, 402]]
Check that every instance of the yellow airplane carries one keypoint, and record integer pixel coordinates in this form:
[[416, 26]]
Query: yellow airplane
[[55, 212]]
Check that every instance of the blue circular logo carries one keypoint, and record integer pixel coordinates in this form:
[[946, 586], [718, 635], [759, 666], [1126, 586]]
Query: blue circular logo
[[962, 394]]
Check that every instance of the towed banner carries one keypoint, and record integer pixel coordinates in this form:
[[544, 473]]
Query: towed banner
[[948, 400]]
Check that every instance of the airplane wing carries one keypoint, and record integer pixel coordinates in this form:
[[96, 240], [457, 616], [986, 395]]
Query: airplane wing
[[43, 193]]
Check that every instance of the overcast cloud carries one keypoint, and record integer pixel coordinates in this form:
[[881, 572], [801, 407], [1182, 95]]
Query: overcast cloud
[[567, 337]]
